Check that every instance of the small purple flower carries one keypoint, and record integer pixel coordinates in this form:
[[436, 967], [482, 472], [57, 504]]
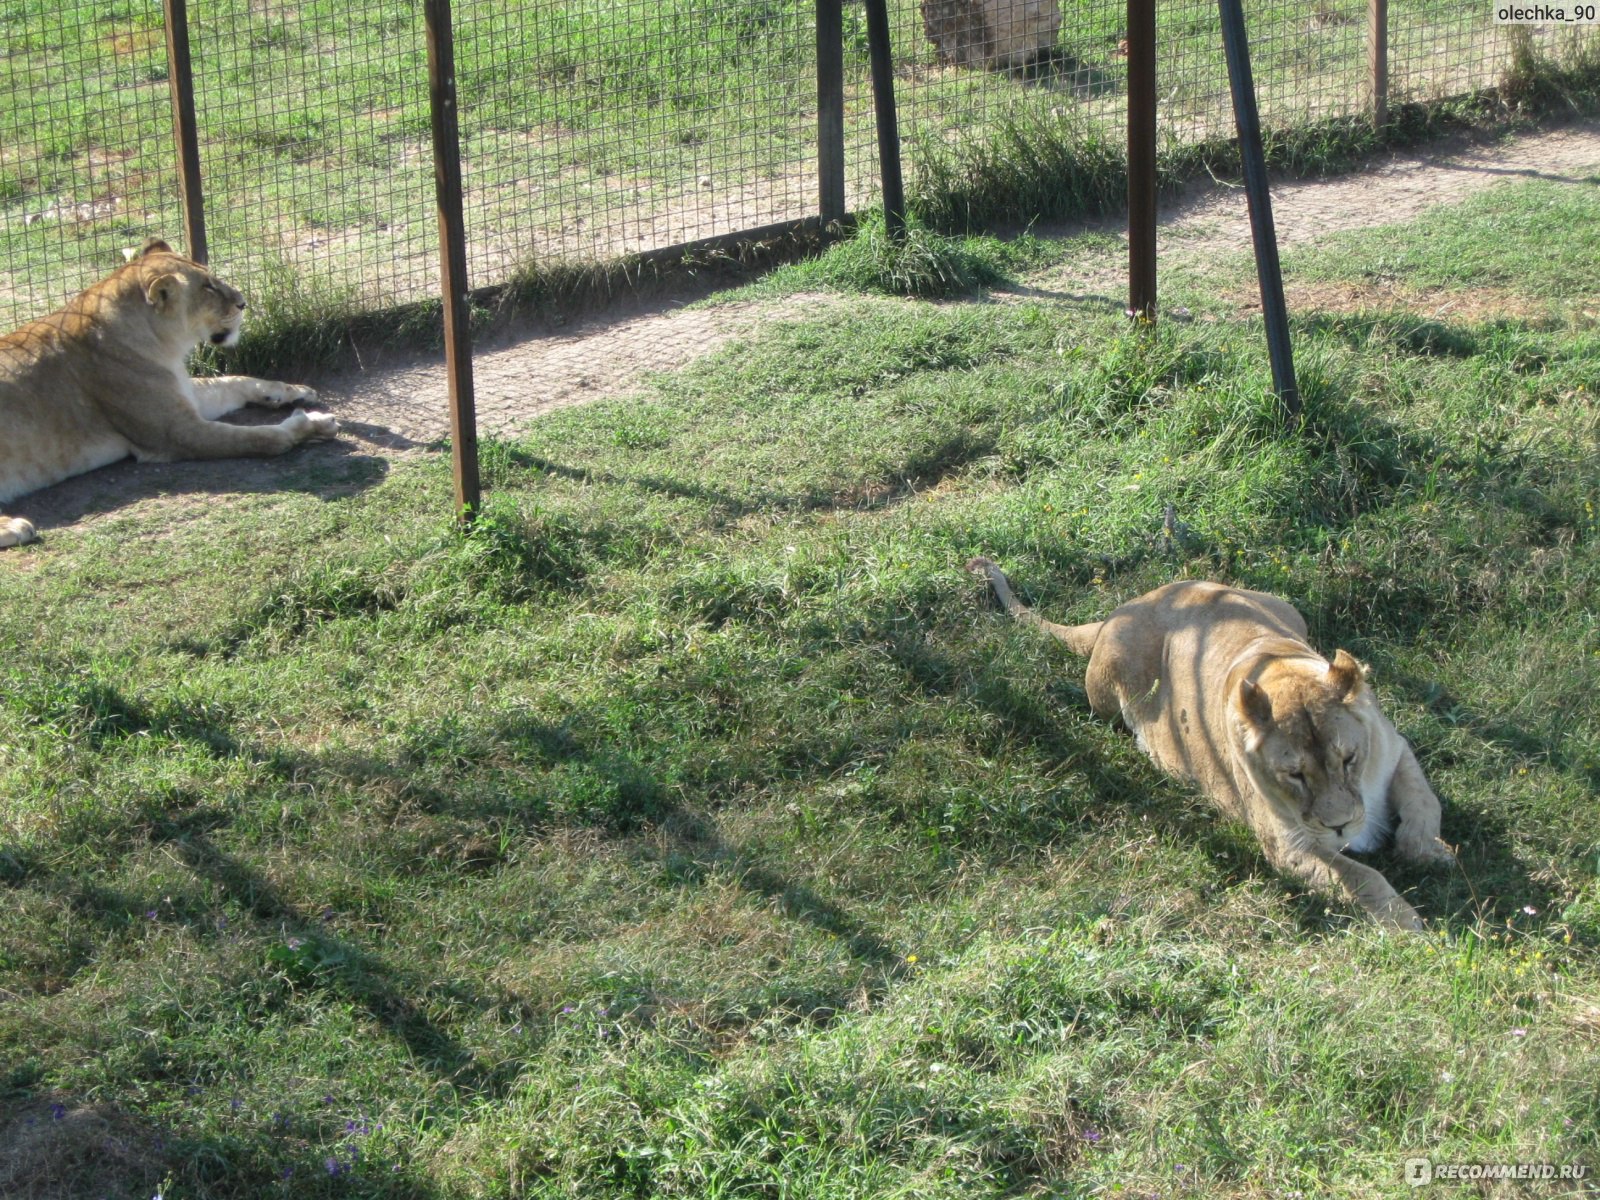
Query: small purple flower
[[151, 915], [335, 1168], [327, 1099], [286, 1174], [1519, 1033], [236, 1104], [1091, 1136], [567, 1008], [58, 1112]]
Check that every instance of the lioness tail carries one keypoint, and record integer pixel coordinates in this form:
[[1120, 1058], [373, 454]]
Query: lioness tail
[[1079, 638]]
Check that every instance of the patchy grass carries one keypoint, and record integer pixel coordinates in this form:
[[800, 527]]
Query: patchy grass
[[1500, 239], [693, 827]]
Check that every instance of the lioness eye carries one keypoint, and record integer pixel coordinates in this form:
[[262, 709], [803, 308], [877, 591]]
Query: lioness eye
[[1298, 776]]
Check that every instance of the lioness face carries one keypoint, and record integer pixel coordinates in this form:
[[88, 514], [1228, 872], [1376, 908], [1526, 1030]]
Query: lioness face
[[1311, 765], [1305, 743], [178, 288]]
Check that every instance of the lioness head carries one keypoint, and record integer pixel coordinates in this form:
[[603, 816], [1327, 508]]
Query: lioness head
[[1306, 740], [197, 305]]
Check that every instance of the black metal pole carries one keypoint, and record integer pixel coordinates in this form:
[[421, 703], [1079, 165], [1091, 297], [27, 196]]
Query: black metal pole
[[452, 257], [180, 79], [830, 110], [894, 192], [1142, 159], [1268, 272]]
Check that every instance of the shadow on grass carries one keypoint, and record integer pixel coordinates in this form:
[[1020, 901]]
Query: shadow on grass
[[330, 470], [922, 471]]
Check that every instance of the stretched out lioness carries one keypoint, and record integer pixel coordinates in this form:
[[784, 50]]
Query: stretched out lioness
[[1218, 685], [104, 378]]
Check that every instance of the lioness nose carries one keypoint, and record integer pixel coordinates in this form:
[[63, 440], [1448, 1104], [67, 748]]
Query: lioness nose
[[1338, 830]]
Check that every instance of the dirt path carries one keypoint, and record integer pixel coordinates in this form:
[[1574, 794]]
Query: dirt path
[[394, 407], [520, 380]]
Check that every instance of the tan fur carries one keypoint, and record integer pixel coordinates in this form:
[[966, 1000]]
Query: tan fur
[[1219, 686], [104, 379]]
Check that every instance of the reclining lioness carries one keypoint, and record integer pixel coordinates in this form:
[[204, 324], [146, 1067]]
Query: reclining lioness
[[1218, 685], [104, 378]]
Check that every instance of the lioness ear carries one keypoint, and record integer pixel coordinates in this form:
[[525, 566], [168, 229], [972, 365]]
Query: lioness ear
[[163, 292], [1346, 675], [1255, 704], [154, 246]]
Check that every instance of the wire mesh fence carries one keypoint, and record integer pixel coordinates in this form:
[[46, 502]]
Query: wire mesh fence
[[590, 128]]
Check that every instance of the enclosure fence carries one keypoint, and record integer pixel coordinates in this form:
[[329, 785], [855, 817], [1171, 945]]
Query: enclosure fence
[[591, 129]]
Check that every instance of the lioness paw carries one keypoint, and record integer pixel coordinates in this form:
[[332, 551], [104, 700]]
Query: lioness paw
[[323, 425], [282, 395], [15, 531], [1397, 914], [1424, 850]]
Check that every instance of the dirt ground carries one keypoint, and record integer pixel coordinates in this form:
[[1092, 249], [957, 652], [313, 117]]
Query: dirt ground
[[395, 405]]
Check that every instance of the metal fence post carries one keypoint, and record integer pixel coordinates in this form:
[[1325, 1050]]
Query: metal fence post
[[894, 192], [1268, 271], [1378, 60], [452, 256], [1142, 159], [830, 110], [180, 79]]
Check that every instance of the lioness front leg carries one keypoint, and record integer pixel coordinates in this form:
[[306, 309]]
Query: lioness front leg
[[1358, 882], [207, 439], [1417, 835], [222, 394]]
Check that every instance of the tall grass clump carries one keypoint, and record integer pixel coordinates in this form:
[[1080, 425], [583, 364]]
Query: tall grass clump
[[921, 264], [1027, 163]]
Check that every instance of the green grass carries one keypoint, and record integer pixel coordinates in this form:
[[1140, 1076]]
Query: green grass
[[1499, 239], [694, 827]]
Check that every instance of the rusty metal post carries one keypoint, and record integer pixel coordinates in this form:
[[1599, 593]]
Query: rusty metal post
[[1142, 159], [830, 111], [878, 50], [1378, 60], [180, 79], [452, 257]]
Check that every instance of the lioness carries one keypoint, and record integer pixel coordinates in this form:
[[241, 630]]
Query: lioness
[[1218, 685], [104, 378]]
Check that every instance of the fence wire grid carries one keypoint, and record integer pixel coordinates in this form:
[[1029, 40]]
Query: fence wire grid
[[590, 128]]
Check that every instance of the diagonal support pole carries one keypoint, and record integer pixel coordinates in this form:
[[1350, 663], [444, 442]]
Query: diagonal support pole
[[1268, 271]]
